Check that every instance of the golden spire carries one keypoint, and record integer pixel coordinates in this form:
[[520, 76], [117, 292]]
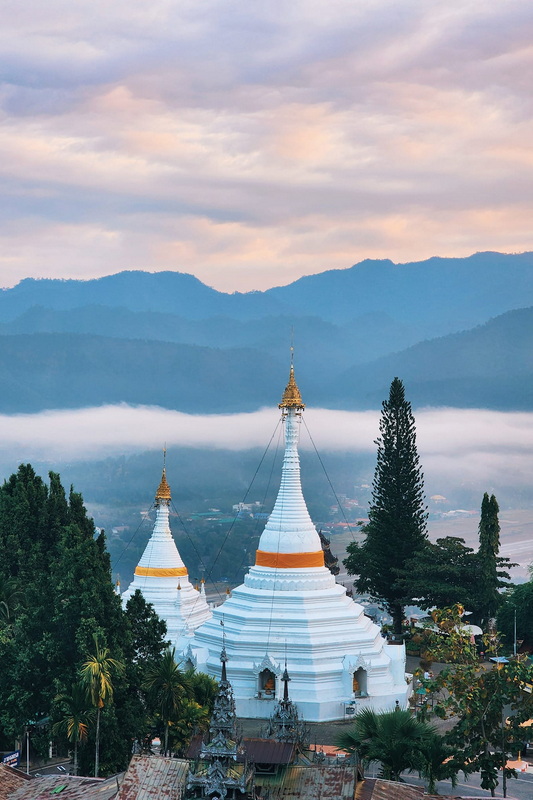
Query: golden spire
[[291, 396], [163, 491]]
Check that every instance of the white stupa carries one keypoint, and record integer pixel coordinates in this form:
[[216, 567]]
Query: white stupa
[[290, 609], [162, 578]]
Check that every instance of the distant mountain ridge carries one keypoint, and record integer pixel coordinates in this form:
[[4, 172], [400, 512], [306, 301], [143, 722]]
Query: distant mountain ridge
[[458, 331], [440, 294]]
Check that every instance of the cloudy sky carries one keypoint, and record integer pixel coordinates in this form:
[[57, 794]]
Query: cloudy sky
[[251, 143]]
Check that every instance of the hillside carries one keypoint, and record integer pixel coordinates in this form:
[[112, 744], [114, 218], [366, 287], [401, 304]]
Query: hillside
[[40, 371], [489, 366]]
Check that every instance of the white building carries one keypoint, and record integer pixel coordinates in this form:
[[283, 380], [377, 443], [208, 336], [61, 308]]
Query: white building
[[290, 608], [162, 578]]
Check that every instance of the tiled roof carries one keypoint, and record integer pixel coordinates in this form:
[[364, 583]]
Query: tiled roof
[[65, 787], [154, 777], [268, 751], [11, 779], [311, 782], [376, 789]]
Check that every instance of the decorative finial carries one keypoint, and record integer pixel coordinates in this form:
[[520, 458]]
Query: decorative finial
[[163, 491], [291, 396], [223, 659]]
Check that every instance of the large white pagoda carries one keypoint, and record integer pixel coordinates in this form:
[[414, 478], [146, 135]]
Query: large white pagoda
[[162, 578], [290, 610]]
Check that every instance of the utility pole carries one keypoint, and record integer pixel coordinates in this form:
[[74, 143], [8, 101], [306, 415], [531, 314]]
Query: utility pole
[[514, 643]]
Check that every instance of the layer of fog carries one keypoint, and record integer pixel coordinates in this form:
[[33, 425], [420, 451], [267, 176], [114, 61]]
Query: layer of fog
[[457, 446]]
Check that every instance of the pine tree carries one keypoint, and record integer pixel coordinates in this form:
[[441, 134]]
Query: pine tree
[[396, 529], [491, 567]]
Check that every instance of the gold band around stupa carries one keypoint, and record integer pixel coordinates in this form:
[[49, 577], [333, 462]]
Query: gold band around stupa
[[289, 560], [156, 572]]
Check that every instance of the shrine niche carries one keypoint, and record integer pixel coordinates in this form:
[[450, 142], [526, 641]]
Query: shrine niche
[[267, 683], [359, 687]]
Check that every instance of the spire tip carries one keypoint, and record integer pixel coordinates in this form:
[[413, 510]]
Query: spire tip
[[291, 396]]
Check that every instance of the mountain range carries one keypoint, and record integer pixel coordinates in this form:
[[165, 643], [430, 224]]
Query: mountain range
[[457, 331]]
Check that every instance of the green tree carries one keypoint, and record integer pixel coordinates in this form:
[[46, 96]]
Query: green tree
[[394, 738], [436, 762], [147, 632], [517, 604], [491, 575], [204, 688], [396, 529], [440, 574], [76, 716], [97, 675], [49, 547], [143, 644], [169, 687], [192, 718], [489, 706], [451, 641]]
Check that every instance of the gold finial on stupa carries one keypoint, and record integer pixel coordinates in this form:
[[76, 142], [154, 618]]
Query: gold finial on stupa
[[163, 490], [291, 396]]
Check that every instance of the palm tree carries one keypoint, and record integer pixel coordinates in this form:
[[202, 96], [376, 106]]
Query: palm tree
[[394, 738], [437, 762], [168, 686], [77, 715], [96, 674], [192, 718], [204, 688]]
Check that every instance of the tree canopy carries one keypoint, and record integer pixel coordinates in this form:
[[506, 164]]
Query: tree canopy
[[58, 612], [440, 574]]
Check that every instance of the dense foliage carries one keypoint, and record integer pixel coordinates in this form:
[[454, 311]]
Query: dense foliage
[[517, 607], [61, 624], [490, 706], [440, 574], [396, 529]]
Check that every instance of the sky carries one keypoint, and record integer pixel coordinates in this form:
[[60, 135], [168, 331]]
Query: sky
[[251, 143]]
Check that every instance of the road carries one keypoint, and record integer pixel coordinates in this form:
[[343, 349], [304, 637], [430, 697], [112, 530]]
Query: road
[[520, 788]]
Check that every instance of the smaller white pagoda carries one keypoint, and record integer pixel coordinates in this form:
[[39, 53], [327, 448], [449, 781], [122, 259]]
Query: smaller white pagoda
[[162, 578]]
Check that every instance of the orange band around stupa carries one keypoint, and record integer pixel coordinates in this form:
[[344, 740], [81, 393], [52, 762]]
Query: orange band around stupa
[[156, 572], [289, 560]]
